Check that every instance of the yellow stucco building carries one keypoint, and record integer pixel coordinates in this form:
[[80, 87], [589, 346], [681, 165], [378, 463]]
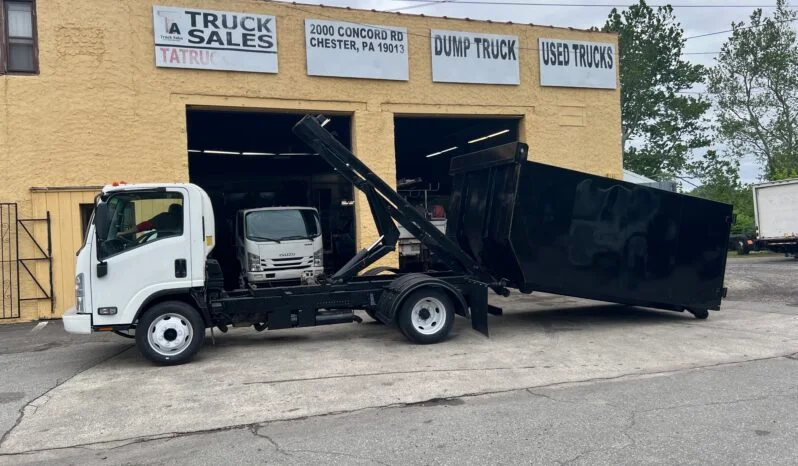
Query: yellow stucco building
[[98, 91]]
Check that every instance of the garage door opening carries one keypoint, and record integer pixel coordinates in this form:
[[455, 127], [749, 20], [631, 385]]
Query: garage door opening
[[424, 148], [247, 159]]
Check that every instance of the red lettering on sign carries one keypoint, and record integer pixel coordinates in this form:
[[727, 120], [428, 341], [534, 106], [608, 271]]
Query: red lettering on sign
[[181, 56]]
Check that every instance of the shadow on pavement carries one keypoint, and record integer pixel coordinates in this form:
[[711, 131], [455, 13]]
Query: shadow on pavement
[[589, 316]]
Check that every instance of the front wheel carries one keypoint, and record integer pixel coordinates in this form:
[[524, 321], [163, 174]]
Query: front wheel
[[170, 333], [426, 316], [700, 314]]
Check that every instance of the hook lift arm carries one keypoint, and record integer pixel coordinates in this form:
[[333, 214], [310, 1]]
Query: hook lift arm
[[386, 205]]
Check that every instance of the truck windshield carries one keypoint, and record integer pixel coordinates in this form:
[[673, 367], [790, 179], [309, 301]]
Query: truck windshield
[[281, 225]]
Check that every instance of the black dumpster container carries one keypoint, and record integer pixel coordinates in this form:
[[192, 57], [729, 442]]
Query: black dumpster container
[[545, 228]]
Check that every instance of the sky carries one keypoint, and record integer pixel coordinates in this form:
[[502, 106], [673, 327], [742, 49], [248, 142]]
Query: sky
[[717, 16]]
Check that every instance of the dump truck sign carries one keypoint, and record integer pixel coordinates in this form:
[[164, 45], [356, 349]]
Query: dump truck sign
[[214, 40], [568, 63], [465, 57]]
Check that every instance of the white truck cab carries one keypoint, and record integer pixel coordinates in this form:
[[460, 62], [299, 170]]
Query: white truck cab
[[144, 242], [279, 245]]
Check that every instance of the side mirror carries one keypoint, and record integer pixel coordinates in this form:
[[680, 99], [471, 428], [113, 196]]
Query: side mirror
[[101, 220]]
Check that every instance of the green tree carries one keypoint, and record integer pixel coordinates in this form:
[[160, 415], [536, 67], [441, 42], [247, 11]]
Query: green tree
[[719, 175], [755, 87], [661, 125]]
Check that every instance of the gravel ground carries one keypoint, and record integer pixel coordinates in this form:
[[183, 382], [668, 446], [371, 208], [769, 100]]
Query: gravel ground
[[768, 278]]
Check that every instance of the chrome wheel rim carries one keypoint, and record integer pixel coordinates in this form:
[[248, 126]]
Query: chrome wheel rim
[[170, 334], [428, 316]]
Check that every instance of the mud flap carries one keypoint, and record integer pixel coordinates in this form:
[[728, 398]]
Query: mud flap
[[478, 302]]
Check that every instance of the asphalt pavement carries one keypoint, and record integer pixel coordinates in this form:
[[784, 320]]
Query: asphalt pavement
[[720, 415], [767, 278], [560, 381]]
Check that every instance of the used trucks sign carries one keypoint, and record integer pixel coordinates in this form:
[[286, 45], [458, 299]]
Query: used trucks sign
[[464, 57], [214, 40], [352, 50], [568, 63]]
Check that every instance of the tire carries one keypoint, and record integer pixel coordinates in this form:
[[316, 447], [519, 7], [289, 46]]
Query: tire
[[426, 316], [700, 314], [170, 333], [742, 249]]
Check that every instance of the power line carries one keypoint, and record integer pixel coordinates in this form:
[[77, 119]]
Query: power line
[[739, 29], [582, 5], [419, 5], [686, 180], [425, 35]]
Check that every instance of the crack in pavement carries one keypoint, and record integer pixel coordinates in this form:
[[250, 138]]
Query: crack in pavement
[[58, 382], [377, 374], [482, 369], [346, 455], [256, 430], [625, 432], [551, 398], [255, 427], [693, 324], [634, 414], [718, 403]]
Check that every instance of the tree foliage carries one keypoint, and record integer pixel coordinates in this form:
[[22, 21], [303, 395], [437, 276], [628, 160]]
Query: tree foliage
[[719, 175], [660, 126], [755, 86]]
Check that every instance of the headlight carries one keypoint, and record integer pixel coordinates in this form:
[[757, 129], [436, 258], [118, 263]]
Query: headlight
[[253, 262], [317, 258], [79, 290]]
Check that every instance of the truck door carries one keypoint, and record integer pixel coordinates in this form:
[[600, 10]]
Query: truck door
[[147, 251]]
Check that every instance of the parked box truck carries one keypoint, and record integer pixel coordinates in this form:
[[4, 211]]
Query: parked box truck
[[776, 214]]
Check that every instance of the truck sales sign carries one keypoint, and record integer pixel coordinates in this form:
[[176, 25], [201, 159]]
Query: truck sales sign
[[353, 50], [464, 57], [568, 63], [214, 40]]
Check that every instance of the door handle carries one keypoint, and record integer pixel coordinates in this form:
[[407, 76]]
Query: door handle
[[181, 270]]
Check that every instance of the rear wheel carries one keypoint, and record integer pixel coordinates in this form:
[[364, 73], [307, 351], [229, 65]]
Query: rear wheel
[[742, 248], [699, 313], [170, 333], [426, 316]]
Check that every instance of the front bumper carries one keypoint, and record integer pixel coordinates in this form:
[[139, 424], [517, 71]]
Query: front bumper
[[291, 274], [76, 323]]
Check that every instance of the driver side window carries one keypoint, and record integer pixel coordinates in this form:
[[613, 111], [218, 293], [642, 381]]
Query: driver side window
[[138, 218]]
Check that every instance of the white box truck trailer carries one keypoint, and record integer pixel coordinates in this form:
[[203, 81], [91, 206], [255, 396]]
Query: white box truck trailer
[[776, 214]]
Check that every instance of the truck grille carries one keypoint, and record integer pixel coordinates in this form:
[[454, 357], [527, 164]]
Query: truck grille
[[286, 263]]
